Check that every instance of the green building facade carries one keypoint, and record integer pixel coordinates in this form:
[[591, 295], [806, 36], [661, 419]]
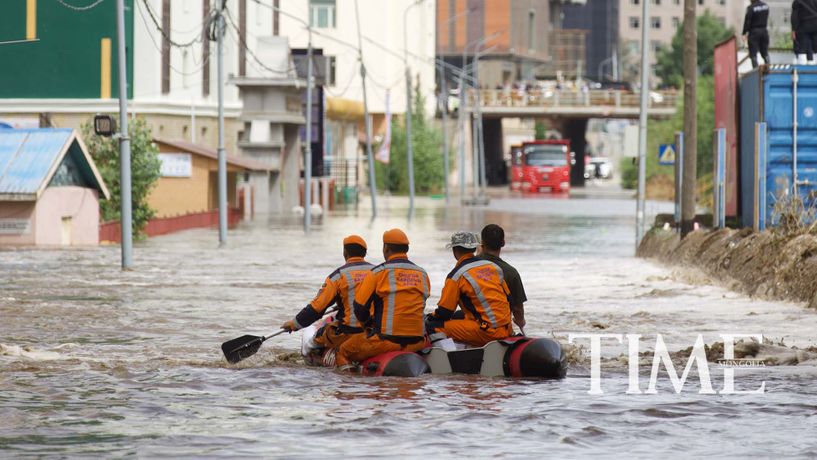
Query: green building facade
[[74, 55]]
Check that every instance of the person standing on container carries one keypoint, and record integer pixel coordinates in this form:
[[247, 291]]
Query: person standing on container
[[804, 28], [755, 31]]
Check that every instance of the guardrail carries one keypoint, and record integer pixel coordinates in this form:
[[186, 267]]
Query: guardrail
[[571, 98]]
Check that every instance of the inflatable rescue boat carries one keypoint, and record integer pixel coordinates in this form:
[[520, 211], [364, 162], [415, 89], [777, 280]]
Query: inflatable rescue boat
[[511, 357]]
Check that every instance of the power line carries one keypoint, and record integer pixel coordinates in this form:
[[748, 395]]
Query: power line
[[80, 8], [166, 34], [158, 48], [243, 44]]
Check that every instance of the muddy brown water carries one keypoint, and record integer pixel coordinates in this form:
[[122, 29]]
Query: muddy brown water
[[97, 362]]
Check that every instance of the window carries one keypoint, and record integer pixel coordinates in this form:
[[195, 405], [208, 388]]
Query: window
[[676, 22], [205, 51], [166, 47], [531, 29], [322, 14], [634, 2], [656, 2], [700, 2], [721, 2], [676, 2], [275, 17], [635, 22], [331, 71], [655, 45], [655, 22]]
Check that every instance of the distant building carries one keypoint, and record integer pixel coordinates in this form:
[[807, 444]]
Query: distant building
[[600, 19], [520, 34], [666, 17], [49, 189], [189, 182]]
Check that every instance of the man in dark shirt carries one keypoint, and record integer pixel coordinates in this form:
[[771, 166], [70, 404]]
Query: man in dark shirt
[[804, 28], [755, 31], [493, 240]]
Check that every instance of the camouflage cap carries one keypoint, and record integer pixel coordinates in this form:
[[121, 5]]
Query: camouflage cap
[[466, 240]]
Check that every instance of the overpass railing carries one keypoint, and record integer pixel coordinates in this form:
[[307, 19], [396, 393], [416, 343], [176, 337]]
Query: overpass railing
[[571, 98]]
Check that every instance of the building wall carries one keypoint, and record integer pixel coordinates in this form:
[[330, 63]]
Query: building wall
[[731, 12], [173, 196], [18, 210], [67, 216], [382, 42], [601, 19]]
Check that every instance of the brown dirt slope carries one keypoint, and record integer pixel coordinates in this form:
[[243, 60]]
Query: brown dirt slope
[[766, 264]]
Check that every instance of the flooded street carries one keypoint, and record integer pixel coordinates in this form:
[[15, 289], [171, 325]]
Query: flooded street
[[94, 361]]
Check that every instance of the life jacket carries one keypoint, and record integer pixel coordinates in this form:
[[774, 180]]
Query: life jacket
[[392, 300], [478, 287], [338, 288]]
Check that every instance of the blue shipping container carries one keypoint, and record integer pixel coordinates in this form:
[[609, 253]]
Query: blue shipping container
[[769, 96]]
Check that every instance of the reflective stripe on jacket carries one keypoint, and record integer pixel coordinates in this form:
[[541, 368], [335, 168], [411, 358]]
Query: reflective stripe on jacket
[[338, 288], [392, 297], [478, 287]]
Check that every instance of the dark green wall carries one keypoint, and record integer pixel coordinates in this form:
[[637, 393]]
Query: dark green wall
[[65, 62]]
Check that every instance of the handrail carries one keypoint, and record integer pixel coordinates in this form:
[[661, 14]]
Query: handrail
[[570, 98]]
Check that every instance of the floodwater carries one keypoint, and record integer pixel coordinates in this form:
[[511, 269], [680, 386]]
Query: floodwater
[[99, 362]]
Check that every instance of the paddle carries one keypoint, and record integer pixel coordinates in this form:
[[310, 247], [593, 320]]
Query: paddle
[[247, 345]]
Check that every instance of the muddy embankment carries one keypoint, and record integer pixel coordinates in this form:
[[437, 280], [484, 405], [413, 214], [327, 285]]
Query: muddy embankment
[[769, 264]]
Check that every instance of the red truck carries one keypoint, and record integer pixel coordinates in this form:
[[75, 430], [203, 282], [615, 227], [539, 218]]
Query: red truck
[[541, 166]]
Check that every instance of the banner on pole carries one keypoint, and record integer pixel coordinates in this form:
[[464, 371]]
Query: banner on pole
[[383, 153]]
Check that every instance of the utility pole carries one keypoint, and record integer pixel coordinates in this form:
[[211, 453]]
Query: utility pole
[[222, 157], [444, 91], [642, 124], [372, 183], [308, 136], [409, 150], [126, 217], [690, 122]]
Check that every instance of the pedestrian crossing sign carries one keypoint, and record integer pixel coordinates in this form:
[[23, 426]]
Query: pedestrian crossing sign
[[666, 154]]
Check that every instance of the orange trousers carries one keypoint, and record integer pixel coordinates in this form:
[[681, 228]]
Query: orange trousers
[[468, 331], [331, 337], [359, 348]]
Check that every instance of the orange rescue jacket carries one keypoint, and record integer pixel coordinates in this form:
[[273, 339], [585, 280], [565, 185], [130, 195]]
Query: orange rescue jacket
[[391, 300], [338, 288], [479, 288]]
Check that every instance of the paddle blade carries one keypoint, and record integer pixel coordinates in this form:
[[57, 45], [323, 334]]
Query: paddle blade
[[241, 348]]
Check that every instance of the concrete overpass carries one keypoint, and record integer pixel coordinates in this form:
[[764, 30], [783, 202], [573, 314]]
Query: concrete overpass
[[568, 112]]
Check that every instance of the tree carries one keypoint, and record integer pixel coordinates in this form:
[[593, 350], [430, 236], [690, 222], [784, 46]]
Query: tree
[[427, 151], [540, 130], [663, 132], [145, 170], [669, 66]]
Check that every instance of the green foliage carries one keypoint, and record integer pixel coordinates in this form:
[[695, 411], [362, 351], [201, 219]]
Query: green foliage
[[426, 148], [663, 132], [145, 170], [540, 130], [670, 61]]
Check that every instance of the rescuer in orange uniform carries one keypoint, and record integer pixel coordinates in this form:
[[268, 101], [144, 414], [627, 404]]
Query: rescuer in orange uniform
[[389, 303], [338, 288], [478, 287]]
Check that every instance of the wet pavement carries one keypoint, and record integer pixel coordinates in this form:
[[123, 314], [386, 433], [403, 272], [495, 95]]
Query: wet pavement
[[99, 362]]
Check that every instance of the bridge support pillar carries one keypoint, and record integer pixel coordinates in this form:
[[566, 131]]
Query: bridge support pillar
[[575, 130], [496, 170]]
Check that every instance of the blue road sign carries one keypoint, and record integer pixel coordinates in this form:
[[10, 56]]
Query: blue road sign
[[666, 154]]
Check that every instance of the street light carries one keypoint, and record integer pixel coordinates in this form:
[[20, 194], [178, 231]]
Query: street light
[[308, 127], [409, 152]]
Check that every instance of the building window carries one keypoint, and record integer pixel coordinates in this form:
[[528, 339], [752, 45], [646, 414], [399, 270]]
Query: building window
[[205, 51], [722, 20], [166, 46], [722, 2], [531, 29], [655, 45], [331, 72], [242, 37], [655, 22], [700, 2], [322, 14], [676, 2], [656, 2], [676, 22], [635, 22], [276, 26], [634, 2]]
